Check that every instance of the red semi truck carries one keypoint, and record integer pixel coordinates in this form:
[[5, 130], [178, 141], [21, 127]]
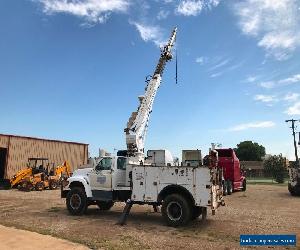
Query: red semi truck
[[234, 178]]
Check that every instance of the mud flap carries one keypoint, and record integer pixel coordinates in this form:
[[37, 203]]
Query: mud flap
[[216, 198]]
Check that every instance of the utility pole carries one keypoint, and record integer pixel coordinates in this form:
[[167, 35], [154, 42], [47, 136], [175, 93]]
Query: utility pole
[[294, 135]]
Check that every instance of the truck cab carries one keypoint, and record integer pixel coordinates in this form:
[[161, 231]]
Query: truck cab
[[234, 178], [104, 182]]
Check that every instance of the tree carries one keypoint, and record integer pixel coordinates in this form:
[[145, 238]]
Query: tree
[[249, 151], [275, 165]]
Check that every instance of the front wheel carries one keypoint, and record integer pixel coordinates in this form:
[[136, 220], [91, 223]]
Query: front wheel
[[176, 210], [105, 205], [76, 201]]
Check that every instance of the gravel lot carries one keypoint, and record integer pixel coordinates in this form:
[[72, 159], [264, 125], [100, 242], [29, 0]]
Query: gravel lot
[[262, 209]]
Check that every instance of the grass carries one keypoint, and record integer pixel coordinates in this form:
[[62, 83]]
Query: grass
[[265, 181], [54, 209]]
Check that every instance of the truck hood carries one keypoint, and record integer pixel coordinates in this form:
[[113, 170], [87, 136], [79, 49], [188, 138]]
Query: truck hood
[[82, 172]]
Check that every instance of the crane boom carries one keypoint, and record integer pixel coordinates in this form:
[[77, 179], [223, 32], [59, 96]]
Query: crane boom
[[138, 122]]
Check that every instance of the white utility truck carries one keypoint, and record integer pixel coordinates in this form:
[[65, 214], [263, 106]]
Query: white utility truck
[[184, 192]]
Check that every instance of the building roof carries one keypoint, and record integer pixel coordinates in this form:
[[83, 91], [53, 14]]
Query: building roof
[[42, 139]]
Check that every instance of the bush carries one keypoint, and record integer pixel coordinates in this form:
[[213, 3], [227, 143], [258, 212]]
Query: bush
[[275, 166]]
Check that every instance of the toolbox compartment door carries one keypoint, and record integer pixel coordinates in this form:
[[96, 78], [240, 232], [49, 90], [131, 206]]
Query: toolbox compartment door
[[138, 183]]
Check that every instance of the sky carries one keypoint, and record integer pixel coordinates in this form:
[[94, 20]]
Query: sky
[[73, 70]]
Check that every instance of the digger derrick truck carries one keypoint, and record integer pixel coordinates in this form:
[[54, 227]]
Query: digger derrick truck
[[183, 192]]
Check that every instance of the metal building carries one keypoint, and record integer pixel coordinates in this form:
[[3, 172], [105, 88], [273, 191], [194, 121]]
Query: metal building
[[15, 151]]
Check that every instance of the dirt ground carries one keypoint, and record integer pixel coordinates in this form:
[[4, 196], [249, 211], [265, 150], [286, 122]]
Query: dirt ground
[[262, 209], [18, 239]]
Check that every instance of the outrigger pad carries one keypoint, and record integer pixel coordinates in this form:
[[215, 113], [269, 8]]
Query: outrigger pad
[[125, 213]]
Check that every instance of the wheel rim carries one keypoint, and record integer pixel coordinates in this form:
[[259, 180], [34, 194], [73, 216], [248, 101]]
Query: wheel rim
[[39, 186], [75, 201], [174, 211]]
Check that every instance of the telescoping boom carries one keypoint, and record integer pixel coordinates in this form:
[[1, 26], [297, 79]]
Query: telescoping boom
[[138, 122]]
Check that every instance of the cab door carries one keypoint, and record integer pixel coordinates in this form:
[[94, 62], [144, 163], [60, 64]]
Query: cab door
[[119, 173], [101, 178]]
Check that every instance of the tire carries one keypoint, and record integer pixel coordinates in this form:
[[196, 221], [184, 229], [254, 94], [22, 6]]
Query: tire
[[204, 213], [229, 188], [294, 191], [176, 210], [53, 184], [25, 186], [244, 187], [197, 211], [224, 189], [39, 186], [76, 201], [105, 205]]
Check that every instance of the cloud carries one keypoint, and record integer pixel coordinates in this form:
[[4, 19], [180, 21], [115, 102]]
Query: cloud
[[195, 7], [222, 70], [200, 60], [220, 64], [268, 84], [150, 33], [163, 14], [265, 98], [289, 80], [274, 23], [245, 126], [93, 11], [291, 97], [283, 82], [251, 79], [294, 109], [190, 8]]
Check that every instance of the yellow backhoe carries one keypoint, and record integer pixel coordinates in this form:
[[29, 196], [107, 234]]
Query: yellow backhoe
[[46, 179], [37, 175], [31, 169]]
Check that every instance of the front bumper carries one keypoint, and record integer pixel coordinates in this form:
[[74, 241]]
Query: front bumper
[[63, 192]]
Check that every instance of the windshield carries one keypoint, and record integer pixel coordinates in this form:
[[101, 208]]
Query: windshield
[[104, 164]]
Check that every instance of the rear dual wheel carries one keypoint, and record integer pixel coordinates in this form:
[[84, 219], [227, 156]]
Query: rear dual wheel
[[176, 210], [244, 187], [224, 188], [294, 191], [229, 188]]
